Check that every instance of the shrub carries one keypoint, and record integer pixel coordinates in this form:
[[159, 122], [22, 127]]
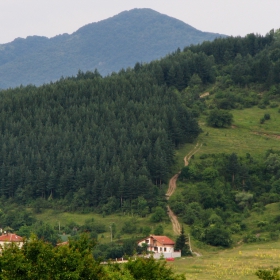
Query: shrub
[[273, 105], [250, 238], [274, 235], [219, 118], [218, 236]]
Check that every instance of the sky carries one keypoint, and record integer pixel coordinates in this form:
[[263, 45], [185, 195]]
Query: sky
[[22, 18]]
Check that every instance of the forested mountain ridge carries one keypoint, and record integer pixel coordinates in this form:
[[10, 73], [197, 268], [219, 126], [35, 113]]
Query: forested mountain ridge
[[109, 45]]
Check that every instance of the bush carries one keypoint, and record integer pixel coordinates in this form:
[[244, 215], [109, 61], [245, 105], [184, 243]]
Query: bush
[[218, 236], [219, 118], [129, 227], [158, 230], [273, 105], [262, 106], [250, 238], [266, 116], [274, 235], [158, 215]]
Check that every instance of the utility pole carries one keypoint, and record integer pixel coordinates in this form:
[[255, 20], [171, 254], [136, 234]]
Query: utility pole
[[190, 243], [111, 233]]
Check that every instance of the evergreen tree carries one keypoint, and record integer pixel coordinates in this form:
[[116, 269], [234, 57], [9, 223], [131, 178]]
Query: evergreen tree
[[181, 244]]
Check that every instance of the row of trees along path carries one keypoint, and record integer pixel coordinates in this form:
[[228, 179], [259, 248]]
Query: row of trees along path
[[172, 187]]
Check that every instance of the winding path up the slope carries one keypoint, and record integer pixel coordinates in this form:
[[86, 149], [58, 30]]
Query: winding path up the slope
[[172, 187], [175, 223], [173, 180]]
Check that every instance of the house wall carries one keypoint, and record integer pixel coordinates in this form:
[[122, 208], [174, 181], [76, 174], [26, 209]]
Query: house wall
[[2, 244], [164, 248], [167, 255]]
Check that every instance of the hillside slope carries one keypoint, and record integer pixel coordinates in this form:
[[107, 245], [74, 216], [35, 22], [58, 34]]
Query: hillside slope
[[138, 35]]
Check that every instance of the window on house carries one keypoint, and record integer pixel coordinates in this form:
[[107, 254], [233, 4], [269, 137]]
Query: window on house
[[156, 249], [164, 249], [160, 249], [147, 240]]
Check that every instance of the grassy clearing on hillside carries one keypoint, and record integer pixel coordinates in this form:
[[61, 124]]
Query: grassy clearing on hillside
[[246, 135], [54, 218], [271, 211]]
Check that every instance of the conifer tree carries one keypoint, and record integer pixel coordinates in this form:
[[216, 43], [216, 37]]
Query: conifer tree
[[181, 244]]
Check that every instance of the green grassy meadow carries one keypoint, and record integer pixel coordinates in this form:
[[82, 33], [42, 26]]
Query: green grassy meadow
[[246, 135], [239, 263], [54, 218]]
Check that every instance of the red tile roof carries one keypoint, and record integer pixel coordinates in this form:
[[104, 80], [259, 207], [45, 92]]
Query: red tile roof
[[164, 240], [10, 237]]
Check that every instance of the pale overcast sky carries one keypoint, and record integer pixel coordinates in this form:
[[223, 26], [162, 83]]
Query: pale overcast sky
[[22, 18]]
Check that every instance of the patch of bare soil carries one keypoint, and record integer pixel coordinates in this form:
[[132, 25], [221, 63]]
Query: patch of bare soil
[[204, 94], [172, 185], [175, 224], [267, 135]]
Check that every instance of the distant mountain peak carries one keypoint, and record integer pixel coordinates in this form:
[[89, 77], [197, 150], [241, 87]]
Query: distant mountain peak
[[137, 35]]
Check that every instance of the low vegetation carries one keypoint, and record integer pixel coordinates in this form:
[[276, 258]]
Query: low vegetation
[[39, 260]]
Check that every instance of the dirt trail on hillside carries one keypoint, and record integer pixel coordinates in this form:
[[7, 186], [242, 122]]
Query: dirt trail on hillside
[[204, 94], [173, 180], [191, 153], [172, 187], [175, 224]]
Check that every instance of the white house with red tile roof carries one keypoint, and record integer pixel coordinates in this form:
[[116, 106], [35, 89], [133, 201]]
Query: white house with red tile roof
[[160, 246], [8, 238]]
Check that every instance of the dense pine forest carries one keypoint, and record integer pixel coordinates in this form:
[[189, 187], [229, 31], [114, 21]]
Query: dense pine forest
[[101, 143], [90, 140]]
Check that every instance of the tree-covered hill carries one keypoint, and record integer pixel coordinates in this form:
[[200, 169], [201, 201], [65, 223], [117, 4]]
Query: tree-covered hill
[[106, 142], [87, 139], [109, 45]]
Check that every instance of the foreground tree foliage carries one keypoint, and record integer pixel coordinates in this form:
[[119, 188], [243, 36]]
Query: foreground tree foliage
[[40, 260]]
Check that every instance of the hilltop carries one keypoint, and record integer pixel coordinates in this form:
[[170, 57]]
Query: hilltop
[[138, 35]]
